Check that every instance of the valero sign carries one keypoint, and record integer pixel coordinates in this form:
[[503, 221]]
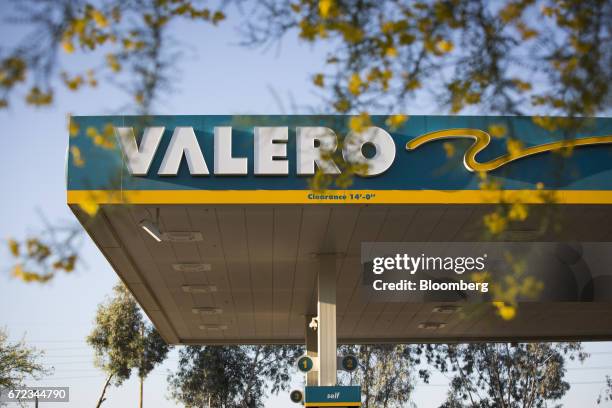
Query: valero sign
[[272, 159]]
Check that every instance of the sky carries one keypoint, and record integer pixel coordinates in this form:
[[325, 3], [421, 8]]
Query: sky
[[216, 76]]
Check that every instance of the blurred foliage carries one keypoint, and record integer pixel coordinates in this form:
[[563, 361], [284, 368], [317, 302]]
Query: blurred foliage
[[537, 57], [40, 256], [125, 42], [510, 57]]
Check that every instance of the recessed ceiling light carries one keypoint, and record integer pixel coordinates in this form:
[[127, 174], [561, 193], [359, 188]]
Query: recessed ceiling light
[[213, 327], [182, 236], [199, 288], [431, 325], [207, 310], [447, 309], [191, 267]]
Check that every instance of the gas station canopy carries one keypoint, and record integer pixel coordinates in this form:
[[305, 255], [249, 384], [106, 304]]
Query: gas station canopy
[[212, 224]]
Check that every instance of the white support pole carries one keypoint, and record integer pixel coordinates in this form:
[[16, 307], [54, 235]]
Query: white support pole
[[326, 307]]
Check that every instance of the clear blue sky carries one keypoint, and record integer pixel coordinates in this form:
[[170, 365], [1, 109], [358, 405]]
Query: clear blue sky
[[216, 77]]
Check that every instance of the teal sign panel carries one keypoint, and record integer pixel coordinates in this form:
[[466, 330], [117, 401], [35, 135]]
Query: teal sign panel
[[340, 396]]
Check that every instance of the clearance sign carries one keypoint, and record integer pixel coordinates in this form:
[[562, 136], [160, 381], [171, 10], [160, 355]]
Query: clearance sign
[[272, 159]]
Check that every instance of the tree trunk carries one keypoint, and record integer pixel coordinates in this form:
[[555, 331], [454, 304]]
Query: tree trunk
[[102, 399], [141, 387], [142, 364]]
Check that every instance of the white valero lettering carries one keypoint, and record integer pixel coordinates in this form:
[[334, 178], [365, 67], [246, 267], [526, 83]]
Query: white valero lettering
[[139, 158], [266, 150], [183, 142], [308, 154], [270, 151], [382, 142], [224, 162]]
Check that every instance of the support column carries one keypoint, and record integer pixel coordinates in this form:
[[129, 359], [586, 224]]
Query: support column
[[326, 308], [312, 350]]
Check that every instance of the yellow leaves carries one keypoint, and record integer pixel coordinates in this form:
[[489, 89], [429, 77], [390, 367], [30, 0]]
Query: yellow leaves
[[113, 62], [139, 98], [505, 311], [383, 77], [514, 146], [91, 79], [351, 33], [526, 32], [37, 250], [20, 273], [13, 247], [391, 52], [77, 158], [99, 18], [495, 222], [3, 103], [449, 149], [73, 128], [106, 139], [406, 39], [318, 80], [545, 122], [217, 17], [308, 31], [521, 85], [359, 123], [412, 84], [12, 70], [295, 7], [497, 131], [518, 212], [580, 46], [395, 121], [472, 98], [325, 8], [355, 84], [90, 206], [73, 83], [342, 105], [155, 22], [37, 97], [510, 12], [68, 46], [444, 46], [66, 264]]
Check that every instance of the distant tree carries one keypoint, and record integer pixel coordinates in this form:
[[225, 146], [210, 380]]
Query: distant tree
[[18, 362], [501, 375], [231, 376], [385, 373], [123, 341], [606, 393]]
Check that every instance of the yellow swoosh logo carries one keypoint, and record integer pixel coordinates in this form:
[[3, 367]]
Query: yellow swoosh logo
[[482, 140]]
